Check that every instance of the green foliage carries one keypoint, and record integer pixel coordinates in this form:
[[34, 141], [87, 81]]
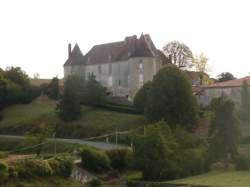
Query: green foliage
[[226, 76], [53, 88], [94, 94], [69, 107], [95, 183], [245, 102], [157, 154], [224, 131], [95, 160], [242, 163], [141, 97], [171, 99], [61, 166], [32, 168], [120, 158], [3, 172], [15, 87], [3, 154]]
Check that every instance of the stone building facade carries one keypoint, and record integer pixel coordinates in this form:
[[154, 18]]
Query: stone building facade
[[122, 67], [231, 89]]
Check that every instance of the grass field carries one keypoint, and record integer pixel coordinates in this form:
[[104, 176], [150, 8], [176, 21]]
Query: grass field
[[19, 119], [48, 182], [223, 179]]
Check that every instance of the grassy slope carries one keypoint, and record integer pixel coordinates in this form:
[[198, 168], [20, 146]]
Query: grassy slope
[[19, 119], [49, 182], [227, 179]]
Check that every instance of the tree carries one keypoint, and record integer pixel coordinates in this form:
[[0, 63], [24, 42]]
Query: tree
[[141, 97], [94, 93], [53, 88], [200, 63], [181, 55], [170, 98], [245, 101], [18, 76], [69, 107], [156, 153], [224, 131], [226, 76], [38, 137]]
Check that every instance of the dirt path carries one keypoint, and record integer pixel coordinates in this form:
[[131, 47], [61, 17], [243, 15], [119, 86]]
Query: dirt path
[[14, 158]]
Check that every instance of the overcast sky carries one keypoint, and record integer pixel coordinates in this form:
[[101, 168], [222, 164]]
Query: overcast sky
[[34, 33]]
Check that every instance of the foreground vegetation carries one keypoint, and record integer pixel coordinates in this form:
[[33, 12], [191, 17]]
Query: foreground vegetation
[[219, 178], [41, 182]]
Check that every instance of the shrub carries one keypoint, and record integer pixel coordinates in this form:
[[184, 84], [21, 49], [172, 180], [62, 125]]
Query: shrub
[[3, 154], [31, 168], [61, 166], [194, 161], [95, 160], [95, 183], [141, 97], [120, 158], [242, 163], [3, 172]]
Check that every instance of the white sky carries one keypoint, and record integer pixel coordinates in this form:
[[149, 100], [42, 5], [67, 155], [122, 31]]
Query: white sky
[[34, 33]]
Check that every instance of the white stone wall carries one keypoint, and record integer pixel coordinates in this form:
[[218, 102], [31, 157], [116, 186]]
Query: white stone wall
[[234, 93], [121, 78]]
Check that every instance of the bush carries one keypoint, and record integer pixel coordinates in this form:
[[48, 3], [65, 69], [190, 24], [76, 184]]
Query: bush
[[141, 97], [3, 154], [194, 162], [242, 163], [32, 168], [3, 172], [120, 158], [95, 183], [61, 166], [95, 160]]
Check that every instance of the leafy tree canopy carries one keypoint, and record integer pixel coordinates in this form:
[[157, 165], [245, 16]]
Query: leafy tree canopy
[[171, 99], [226, 76]]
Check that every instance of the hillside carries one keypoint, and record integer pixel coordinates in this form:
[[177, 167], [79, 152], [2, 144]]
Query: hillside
[[223, 179], [22, 118]]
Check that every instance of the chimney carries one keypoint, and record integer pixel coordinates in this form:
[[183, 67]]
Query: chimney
[[69, 49]]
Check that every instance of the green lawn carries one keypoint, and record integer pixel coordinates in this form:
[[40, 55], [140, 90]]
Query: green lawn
[[226, 179], [19, 119], [48, 182]]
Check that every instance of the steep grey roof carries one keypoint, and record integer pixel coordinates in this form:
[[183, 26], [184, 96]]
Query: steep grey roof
[[76, 57], [116, 51]]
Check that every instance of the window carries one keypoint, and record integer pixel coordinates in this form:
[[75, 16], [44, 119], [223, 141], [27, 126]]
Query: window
[[110, 81], [140, 80], [110, 69], [119, 82], [100, 69], [140, 71]]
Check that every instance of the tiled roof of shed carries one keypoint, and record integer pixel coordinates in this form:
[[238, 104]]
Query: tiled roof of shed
[[231, 83]]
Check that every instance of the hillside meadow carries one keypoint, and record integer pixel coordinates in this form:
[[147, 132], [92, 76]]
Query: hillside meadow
[[22, 118]]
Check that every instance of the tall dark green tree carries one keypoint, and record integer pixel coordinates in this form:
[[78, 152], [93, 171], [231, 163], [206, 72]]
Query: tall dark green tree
[[141, 97], [226, 76], [69, 107], [156, 153], [245, 101], [224, 131], [94, 94], [171, 99], [53, 88]]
